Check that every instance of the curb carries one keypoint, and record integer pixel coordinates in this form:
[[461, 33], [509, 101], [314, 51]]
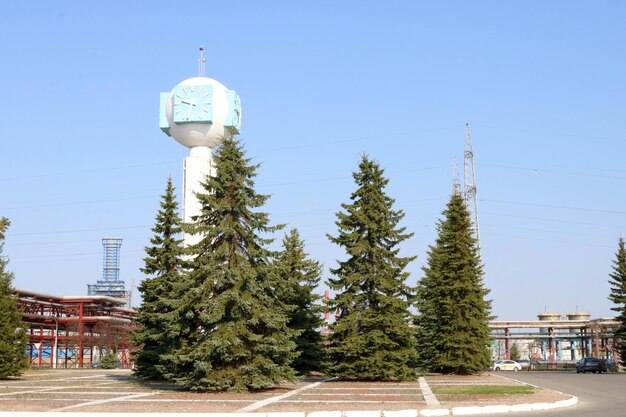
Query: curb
[[454, 411]]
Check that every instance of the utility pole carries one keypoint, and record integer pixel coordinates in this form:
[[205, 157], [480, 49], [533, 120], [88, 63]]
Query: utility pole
[[469, 179]]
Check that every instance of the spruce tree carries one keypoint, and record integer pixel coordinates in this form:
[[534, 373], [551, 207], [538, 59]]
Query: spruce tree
[[514, 353], [109, 361], [235, 329], [158, 332], [453, 321], [297, 277], [13, 338], [371, 338], [618, 297]]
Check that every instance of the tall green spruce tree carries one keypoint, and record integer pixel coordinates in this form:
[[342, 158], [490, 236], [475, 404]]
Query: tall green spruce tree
[[233, 327], [13, 339], [297, 276], [158, 333], [453, 314], [618, 296], [371, 338]]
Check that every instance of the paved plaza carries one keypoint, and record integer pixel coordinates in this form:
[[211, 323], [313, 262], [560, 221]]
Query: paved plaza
[[117, 391]]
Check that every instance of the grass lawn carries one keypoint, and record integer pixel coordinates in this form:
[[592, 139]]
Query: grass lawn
[[484, 390]]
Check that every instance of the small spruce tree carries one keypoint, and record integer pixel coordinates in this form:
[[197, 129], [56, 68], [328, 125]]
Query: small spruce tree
[[109, 361], [297, 277], [514, 353], [13, 338], [158, 333], [453, 321], [235, 329], [371, 338], [618, 297]]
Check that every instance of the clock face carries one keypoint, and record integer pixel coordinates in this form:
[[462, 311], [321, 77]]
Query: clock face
[[193, 104]]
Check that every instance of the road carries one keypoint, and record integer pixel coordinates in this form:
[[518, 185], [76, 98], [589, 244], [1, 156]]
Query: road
[[600, 395]]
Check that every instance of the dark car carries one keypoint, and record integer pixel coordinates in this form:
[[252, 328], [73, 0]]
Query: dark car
[[590, 365], [609, 365]]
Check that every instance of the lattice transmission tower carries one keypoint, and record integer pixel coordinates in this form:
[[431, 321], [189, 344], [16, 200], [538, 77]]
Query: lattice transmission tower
[[469, 179]]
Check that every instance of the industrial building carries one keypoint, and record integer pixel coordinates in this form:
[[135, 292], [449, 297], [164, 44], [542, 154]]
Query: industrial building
[[554, 337], [75, 331]]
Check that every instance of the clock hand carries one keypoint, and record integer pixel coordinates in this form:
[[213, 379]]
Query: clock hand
[[191, 104]]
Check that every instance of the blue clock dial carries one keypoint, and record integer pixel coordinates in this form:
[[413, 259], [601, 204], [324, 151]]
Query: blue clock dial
[[193, 104]]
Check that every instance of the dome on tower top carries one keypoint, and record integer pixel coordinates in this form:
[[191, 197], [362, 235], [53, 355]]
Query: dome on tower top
[[202, 81], [200, 111]]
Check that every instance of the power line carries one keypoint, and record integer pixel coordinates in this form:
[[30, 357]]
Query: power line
[[520, 203], [550, 171], [73, 203], [325, 141], [348, 177], [108, 200], [56, 232], [70, 258], [333, 210], [543, 132], [63, 242], [547, 231], [85, 171], [326, 211], [534, 239], [551, 220]]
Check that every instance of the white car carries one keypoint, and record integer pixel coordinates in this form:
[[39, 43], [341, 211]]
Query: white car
[[507, 365]]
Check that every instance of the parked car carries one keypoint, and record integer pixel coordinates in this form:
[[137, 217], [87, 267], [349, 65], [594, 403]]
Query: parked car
[[609, 365], [507, 365], [588, 364], [525, 363]]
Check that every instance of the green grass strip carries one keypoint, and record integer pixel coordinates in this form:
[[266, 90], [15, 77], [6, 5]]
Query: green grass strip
[[484, 389]]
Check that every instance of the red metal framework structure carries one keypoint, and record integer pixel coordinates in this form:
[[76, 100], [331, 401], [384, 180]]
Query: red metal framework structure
[[553, 337], [75, 331]]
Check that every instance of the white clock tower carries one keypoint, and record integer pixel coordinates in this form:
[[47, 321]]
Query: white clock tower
[[199, 113]]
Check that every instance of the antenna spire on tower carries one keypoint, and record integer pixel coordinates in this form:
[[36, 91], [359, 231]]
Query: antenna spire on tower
[[201, 62], [469, 178]]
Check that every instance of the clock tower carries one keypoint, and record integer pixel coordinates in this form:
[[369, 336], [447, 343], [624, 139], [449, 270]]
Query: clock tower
[[198, 113]]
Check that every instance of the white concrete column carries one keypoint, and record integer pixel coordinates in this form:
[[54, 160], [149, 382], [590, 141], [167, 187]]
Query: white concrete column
[[196, 167]]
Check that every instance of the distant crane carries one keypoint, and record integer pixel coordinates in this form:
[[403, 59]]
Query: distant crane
[[469, 179]]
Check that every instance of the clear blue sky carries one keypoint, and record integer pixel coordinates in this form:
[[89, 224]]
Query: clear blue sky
[[542, 85]]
